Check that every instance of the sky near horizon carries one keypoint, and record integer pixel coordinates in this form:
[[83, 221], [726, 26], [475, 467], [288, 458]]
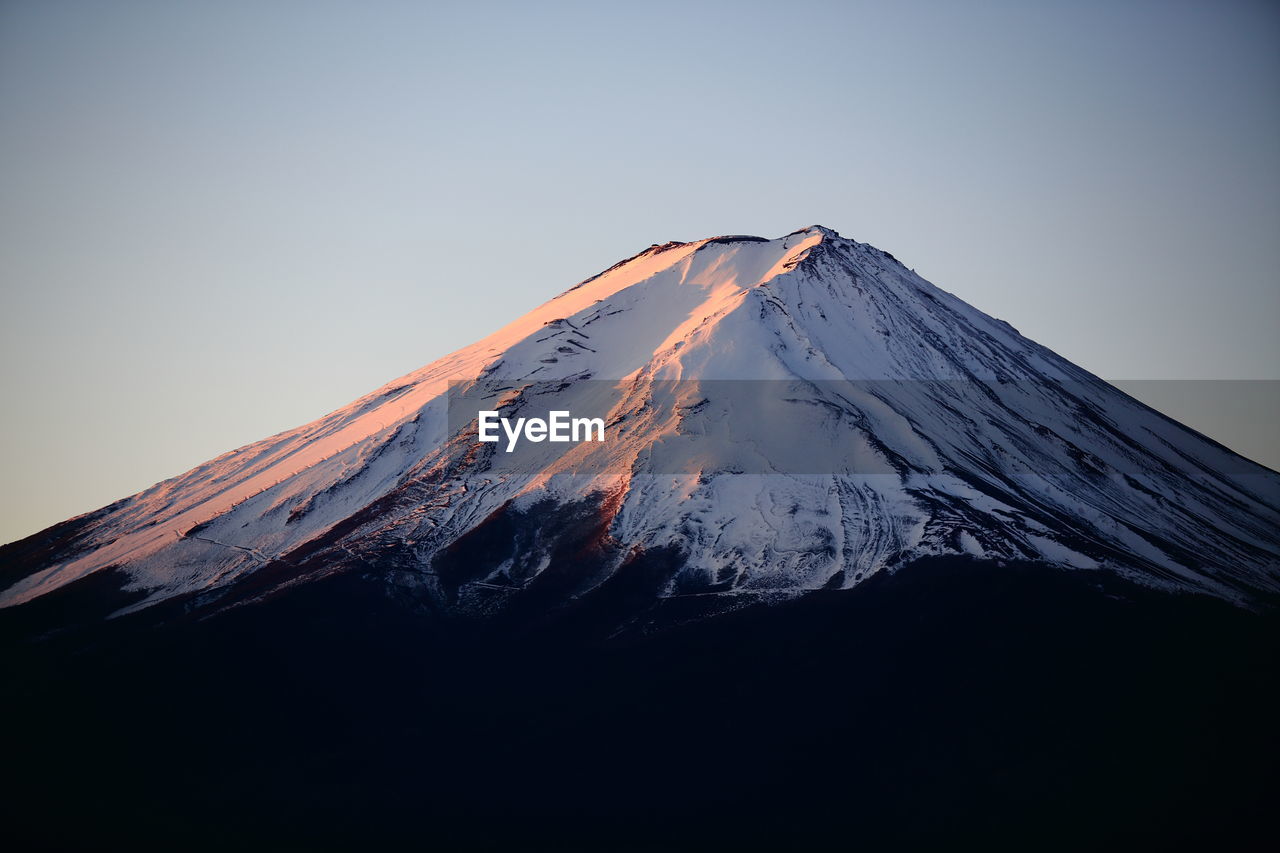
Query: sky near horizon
[[219, 221]]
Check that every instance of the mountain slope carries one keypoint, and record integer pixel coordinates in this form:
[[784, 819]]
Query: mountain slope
[[786, 415]]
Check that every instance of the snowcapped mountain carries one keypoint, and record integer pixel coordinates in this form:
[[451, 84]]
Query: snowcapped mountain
[[784, 415]]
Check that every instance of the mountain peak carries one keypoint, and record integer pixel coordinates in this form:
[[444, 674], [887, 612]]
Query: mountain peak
[[950, 434], [817, 229]]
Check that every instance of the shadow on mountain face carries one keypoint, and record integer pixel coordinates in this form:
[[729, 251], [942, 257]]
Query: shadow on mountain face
[[954, 701]]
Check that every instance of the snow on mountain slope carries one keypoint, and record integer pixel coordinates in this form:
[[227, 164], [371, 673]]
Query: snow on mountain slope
[[785, 414]]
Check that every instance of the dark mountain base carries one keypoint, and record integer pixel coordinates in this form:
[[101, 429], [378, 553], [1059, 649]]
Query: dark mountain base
[[953, 702]]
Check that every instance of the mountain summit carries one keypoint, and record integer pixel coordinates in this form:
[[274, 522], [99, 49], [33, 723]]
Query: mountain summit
[[783, 416], [739, 544]]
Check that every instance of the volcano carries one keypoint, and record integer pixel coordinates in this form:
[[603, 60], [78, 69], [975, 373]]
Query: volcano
[[788, 415], [845, 549]]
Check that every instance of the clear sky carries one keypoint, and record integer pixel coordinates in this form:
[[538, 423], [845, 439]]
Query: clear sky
[[221, 220]]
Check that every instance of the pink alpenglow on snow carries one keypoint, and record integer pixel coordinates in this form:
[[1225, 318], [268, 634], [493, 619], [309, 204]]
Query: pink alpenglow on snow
[[957, 435]]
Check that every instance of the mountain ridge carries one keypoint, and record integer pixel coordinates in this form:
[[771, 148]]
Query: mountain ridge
[[948, 433]]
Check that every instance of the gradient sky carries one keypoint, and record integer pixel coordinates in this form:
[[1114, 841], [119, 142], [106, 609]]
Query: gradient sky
[[221, 220]]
